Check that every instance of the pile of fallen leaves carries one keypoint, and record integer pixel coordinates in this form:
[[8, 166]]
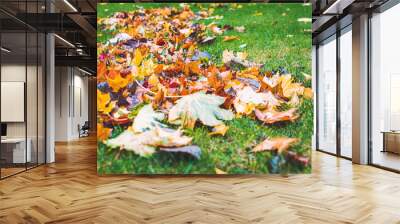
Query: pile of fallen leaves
[[155, 82]]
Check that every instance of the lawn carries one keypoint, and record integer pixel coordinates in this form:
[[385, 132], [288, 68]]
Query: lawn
[[273, 37]]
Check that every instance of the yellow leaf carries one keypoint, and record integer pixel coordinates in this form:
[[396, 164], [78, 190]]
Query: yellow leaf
[[117, 81], [219, 130], [308, 93], [218, 171], [138, 57]]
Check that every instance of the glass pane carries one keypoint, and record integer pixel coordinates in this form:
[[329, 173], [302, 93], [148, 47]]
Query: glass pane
[[41, 98], [386, 89], [346, 94], [327, 96], [31, 99], [13, 86]]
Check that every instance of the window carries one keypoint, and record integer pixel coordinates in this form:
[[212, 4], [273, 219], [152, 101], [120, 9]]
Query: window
[[346, 92], [385, 89], [327, 96]]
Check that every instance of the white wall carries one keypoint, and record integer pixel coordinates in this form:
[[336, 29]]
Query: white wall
[[71, 102]]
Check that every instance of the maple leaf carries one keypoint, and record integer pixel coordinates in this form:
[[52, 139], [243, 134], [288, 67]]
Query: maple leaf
[[270, 117], [247, 100], [147, 119], [281, 145], [130, 141], [116, 82], [288, 89], [199, 106], [145, 143], [104, 103]]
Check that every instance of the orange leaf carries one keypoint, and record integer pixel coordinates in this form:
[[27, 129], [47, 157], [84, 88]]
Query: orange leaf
[[270, 117], [308, 93], [229, 38], [101, 71], [102, 132], [277, 144], [117, 81]]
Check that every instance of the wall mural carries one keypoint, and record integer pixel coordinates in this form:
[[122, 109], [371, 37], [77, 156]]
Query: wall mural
[[204, 88]]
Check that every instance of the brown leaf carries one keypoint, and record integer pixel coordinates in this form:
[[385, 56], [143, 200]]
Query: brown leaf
[[230, 38], [280, 145], [270, 117]]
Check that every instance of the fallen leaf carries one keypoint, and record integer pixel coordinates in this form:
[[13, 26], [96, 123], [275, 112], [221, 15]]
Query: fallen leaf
[[145, 143], [193, 150], [240, 29], [306, 76], [288, 88], [229, 57], [218, 171], [208, 40], [102, 132], [247, 100], [242, 45], [230, 38], [308, 93], [280, 145], [199, 106], [270, 117], [147, 119], [304, 20], [219, 130]]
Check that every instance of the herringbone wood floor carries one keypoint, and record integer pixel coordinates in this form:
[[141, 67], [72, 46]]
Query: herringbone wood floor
[[70, 191]]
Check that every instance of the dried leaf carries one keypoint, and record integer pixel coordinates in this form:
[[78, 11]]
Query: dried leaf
[[218, 171], [199, 106], [308, 93], [230, 38], [304, 20], [270, 117], [306, 76], [247, 100], [288, 89], [145, 143], [219, 130], [193, 150], [147, 119], [280, 145], [240, 29]]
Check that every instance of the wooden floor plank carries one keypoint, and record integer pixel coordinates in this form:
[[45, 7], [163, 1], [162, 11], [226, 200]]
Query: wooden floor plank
[[69, 191]]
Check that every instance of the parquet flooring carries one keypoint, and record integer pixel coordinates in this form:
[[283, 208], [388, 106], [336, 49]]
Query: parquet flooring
[[70, 191]]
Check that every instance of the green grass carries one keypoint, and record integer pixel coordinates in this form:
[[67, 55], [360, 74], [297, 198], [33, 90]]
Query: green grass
[[275, 38]]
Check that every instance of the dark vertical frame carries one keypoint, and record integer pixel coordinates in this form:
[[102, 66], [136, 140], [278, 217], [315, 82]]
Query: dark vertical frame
[[0, 95], [44, 78], [338, 76], [316, 97], [338, 79]]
